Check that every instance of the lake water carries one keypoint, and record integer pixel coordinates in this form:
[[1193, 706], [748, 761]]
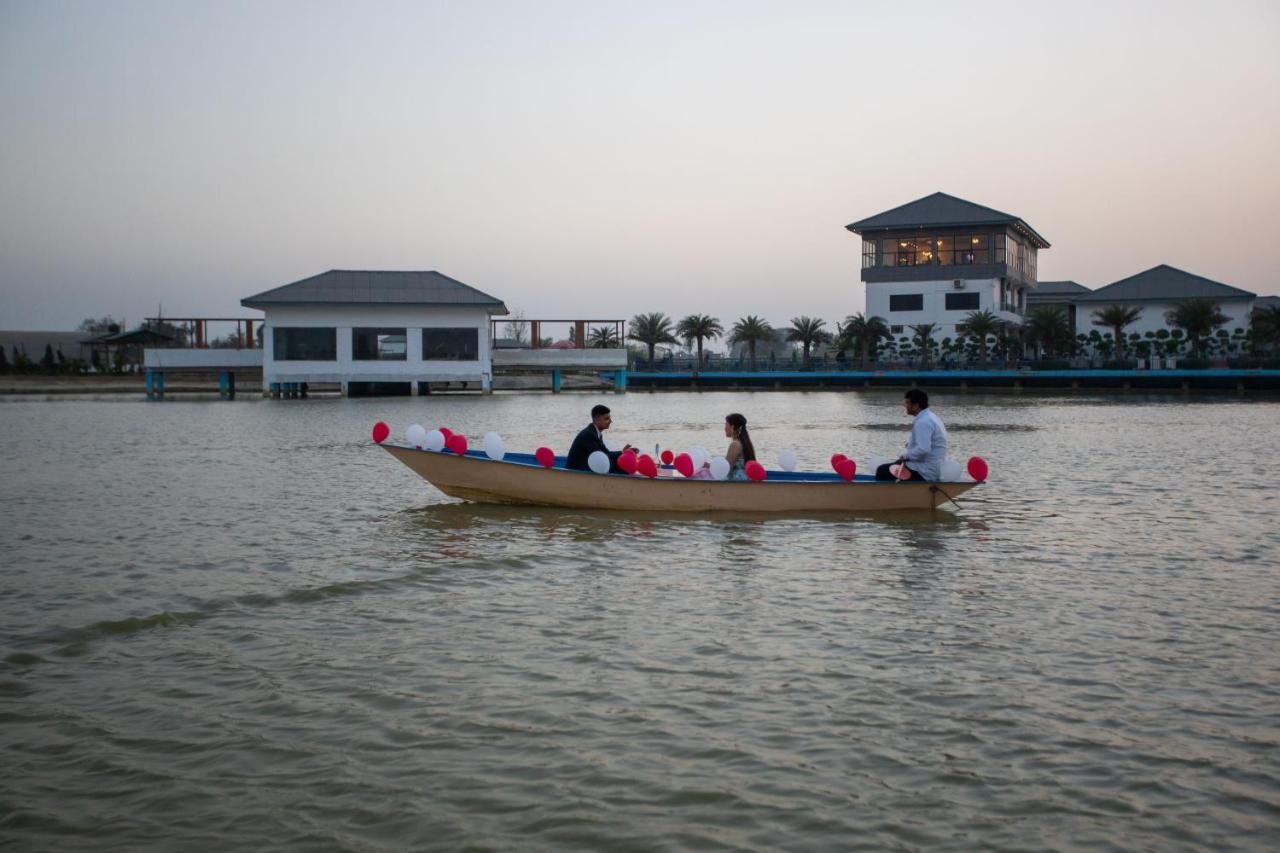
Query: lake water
[[241, 626]]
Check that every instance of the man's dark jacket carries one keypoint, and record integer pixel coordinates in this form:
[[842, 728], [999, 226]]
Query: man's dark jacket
[[587, 442]]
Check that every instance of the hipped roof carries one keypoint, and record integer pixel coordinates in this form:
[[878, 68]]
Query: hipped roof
[[376, 287]]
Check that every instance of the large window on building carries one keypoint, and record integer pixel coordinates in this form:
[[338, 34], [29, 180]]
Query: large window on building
[[907, 251], [868, 253], [451, 344], [378, 344], [906, 302], [304, 344], [962, 302]]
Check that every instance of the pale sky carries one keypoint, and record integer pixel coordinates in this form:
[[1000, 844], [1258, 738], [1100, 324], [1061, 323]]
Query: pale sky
[[603, 159]]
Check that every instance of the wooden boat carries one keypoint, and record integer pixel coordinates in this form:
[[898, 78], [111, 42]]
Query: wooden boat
[[519, 479]]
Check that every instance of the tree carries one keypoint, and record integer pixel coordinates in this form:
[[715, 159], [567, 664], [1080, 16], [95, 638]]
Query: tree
[[48, 362], [1266, 326], [1048, 327], [1198, 318], [699, 327], [517, 329], [651, 330], [751, 330], [603, 337], [864, 333], [922, 340], [1115, 318], [979, 326], [100, 325], [4, 361], [807, 331]]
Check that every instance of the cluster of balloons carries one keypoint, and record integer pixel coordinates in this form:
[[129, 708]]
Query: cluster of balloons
[[844, 466]]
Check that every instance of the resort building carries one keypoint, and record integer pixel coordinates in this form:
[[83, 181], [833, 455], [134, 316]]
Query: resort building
[[939, 258], [367, 330], [1156, 292]]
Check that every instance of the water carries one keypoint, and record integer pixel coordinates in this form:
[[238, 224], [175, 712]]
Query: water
[[240, 626]]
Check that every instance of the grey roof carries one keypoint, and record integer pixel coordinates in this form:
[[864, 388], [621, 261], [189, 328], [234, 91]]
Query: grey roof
[[1057, 288], [376, 287], [1163, 283], [943, 211]]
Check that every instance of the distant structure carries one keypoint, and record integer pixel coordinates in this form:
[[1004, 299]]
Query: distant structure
[[1156, 292], [365, 329], [939, 258]]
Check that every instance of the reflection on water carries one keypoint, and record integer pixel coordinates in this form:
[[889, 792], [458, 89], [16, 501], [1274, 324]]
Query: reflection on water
[[242, 620]]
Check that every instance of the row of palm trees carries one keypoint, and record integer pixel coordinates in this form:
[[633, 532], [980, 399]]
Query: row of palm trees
[[1046, 327]]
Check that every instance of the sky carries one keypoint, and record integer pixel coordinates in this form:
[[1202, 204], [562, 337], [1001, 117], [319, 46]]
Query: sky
[[599, 160]]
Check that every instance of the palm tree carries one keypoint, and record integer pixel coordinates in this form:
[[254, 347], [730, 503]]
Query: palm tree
[[864, 333], [1048, 326], [1115, 318], [651, 330], [603, 337], [750, 330], [923, 339], [1198, 318], [980, 325], [1266, 325], [699, 327], [807, 331]]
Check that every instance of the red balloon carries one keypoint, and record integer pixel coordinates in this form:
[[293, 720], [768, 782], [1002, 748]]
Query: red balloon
[[978, 468], [380, 432], [628, 462], [756, 471], [446, 432], [457, 443], [545, 456], [667, 456], [847, 468], [837, 459], [646, 466], [684, 464]]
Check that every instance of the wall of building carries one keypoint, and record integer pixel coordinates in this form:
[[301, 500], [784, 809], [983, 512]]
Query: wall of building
[[935, 298], [414, 318], [1152, 319]]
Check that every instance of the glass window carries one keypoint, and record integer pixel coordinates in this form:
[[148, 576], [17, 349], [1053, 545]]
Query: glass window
[[889, 252], [451, 344], [868, 253], [304, 344], [906, 302], [378, 345], [962, 302], [947, 249], [1000, 257]]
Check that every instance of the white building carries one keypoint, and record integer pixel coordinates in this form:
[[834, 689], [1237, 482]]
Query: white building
[[940, 258], [1156, 292], [363, 327]]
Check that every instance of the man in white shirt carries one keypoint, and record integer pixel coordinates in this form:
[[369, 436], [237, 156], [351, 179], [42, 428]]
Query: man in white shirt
[[927, 447]]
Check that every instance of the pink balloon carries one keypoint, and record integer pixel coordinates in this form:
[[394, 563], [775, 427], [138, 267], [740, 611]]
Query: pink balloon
[[446, 432], [380, 432], [628, 462], [756, 471], [836, 459], [667, 456], [545, 456], [900, 471], [684, 464], [847, 468], [457, 443], [646, 466], [978, 469]]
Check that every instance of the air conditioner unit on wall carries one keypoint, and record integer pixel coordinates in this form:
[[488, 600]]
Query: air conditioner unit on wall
[[958, 284]]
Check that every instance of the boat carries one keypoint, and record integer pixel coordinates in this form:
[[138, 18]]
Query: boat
[[518, 478]]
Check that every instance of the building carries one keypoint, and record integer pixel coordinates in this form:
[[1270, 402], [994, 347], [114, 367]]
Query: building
[[368, 329], [1157, 291], [939, 258], [1057, 294]]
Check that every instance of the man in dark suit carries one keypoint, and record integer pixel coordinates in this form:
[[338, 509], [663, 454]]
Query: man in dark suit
[[590, 440]]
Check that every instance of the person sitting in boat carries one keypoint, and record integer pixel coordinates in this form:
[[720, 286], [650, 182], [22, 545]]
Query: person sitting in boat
[[927, 446], [590, 440], [741, 450]]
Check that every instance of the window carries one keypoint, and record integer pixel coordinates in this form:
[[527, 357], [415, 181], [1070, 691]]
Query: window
[[378, 345], [299, 344], [451, 344], [868, 253], [962, 302], [906, 302]]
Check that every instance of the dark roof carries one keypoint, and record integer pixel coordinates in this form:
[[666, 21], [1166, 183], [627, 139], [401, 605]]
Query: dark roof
[[1057, 288], [943, 211], [1163, 283], [137, 336], [376, 287]]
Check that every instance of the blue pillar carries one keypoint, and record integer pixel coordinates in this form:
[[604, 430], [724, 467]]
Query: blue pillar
[[224, 390], [555, 382], [620, 381], [150, 385], [160, 384]]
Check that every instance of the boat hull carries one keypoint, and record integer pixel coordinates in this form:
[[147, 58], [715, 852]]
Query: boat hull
[[476, 478]]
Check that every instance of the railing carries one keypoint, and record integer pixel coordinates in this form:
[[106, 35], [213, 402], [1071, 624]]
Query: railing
[[195, 330], [520, 332]]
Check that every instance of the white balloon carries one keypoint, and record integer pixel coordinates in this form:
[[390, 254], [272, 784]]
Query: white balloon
[[416, 435], [719, 467], [699, 457], [787, 459], [435, 441], [952, 471], [598, 462], [611, 445], [493, 446], [876, 462]]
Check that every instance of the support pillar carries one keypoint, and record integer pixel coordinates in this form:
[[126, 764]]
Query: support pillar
[[555, 381], [160, 384], [224, 386], [150, 385], [620, 382], [486, 383], [414, 389], [344, 388]]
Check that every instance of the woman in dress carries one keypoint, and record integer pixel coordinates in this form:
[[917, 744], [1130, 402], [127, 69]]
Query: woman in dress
[[741, 450]]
